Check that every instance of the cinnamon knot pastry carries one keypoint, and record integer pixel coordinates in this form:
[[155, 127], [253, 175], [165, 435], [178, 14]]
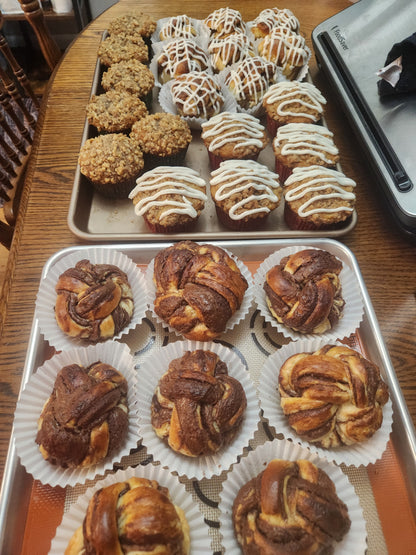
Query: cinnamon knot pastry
[[332, 397], [290, 507], [134, 516], [197, 407], [198, 289], [304, 291], [85, 418], [94, 301]]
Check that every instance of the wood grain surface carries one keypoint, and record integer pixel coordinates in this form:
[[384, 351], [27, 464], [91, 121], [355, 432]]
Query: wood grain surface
[[386, 257]]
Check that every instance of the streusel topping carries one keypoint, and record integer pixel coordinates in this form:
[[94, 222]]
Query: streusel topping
[[115, 111], [129, 75], [116, 48], [161, 134]]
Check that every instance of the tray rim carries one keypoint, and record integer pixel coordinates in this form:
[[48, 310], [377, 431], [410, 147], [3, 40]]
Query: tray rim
[[403, 432]]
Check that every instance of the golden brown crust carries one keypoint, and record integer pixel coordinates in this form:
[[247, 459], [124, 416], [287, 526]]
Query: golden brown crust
[[115, 111], [94, 301], [133, 24], [290, 507], [198, 289], [129, 75], [85, 418], [332, 397], [161, 134], [197, 407], [133, 516], [116, 48], [304, 291]]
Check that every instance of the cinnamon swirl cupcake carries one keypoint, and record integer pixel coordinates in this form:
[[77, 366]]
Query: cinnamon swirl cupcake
[[197, 95], [224, 22], [230, 50], [286, 49], [249, 80], [270, 18], [180, 56], [179, 26]]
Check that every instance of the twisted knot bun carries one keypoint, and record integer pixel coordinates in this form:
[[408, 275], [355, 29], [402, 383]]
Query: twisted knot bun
[[290, 507], [86, 417], [135, 516], [304, 292], [332, 397], [197, 407], [198, 289], [94, 301]]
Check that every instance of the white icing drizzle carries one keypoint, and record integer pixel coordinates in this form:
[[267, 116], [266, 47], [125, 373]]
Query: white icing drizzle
[[284, 47], [306, 139], [235, 176], [198, 94], [179, 26], [229, 127], [287, 94], [275, 17], [178, 181], [229, 50], [225, 21], [250, 79], [176, 51], [319, 179]]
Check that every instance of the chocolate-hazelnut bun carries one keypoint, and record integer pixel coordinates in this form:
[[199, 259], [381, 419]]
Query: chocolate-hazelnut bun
[[290, 507], [197, 407], [94, 301], [85, 418], [134, 516]]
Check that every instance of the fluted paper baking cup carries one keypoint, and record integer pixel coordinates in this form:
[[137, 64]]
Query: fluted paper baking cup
[[353, 309], [36, 393], [208, 465], [355, 541], [74, 517], [46, 297], [358, 454], [235, 319]]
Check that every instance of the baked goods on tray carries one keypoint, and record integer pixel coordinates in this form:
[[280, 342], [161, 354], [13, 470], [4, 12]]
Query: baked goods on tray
[[197, 407], [85, 418], [133, 516]]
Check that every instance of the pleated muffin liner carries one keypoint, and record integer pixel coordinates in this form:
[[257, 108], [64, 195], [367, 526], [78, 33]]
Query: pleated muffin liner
[[74, 517], [235, 319], [355, 540], [353, 310], [359, 454], [168, 105], [204, 466], [46, 297], [36, 393]]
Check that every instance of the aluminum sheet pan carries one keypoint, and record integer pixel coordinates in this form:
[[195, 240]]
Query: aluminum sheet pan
[[93, 217], [17, 483]]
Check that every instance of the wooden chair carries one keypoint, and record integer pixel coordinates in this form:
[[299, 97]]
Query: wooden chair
[[19, 107]]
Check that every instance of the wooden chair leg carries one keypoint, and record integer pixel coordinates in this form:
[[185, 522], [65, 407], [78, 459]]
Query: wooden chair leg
[[6, 234]]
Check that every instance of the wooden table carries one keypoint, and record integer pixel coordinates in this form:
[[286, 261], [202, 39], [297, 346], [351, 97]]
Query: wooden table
[[386, 257]]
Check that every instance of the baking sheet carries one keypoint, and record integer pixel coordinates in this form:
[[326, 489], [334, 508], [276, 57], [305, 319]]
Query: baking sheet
[[93, 217], [255, 340]]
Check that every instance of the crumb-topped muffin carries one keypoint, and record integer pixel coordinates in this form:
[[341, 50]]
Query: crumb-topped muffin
[[286, 49], [232, 135], [226, 51], [132, 25], [179, 56], [115, 111], [303, 144], [244, 193], [129, 75], [270, 18], [197, 95], [249, 79], [111, 163], [85, 419], [137, 512], [318, 198], [292, 102], [163, 137], [116, 48], [197, 407], [170, 199], [94, 302]]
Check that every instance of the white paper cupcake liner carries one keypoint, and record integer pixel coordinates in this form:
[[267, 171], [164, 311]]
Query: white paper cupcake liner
[[208, 465], [200, 540], [360, 454], [235, 319], [46, 297], [353, 309], [36, 393], [355, 541], [168, 105]]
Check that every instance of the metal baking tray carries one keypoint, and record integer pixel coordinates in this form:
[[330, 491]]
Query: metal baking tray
[[93, 217], [16, 487]]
